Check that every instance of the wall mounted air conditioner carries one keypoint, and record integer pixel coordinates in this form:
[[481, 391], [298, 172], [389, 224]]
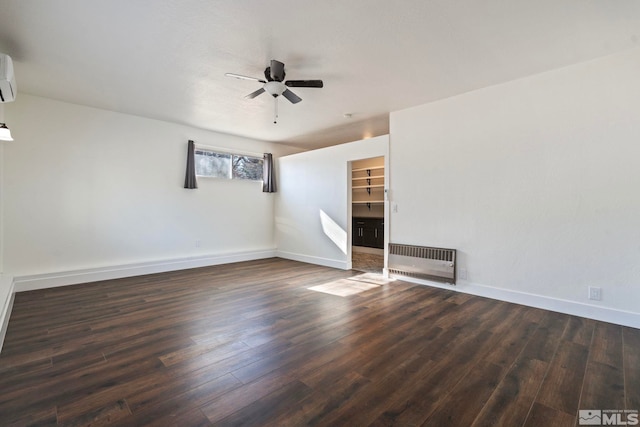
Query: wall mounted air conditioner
[[8, 88]]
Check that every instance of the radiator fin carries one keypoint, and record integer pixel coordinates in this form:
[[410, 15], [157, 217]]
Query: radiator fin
[[438, 264]]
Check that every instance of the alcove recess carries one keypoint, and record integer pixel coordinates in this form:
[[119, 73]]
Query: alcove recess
[[367, 187]]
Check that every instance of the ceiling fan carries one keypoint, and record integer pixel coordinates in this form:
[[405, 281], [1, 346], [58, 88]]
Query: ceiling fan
[[275, 84]]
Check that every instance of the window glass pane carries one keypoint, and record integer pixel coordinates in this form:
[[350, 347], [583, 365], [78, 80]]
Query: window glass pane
[[245, 167], [217, 165]]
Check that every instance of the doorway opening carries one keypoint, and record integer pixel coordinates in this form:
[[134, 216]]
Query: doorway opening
[[368, 215]]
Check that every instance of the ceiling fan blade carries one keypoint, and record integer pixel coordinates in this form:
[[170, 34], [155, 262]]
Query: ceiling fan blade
[[277, 70], [254, 94], [241, 77], [304, 83], [291, 96]]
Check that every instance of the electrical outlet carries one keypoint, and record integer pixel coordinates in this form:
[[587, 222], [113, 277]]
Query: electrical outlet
[[462, 274], [198, 243], [595, 293]]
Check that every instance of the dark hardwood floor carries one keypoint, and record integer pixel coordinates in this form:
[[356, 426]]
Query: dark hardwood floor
[[250, 344], [367, 262]]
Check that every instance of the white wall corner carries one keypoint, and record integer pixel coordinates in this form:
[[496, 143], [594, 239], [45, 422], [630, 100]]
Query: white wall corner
[[313, 186]]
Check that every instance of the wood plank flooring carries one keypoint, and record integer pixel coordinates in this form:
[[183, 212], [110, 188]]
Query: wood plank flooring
[[366, 262], [250, 344]]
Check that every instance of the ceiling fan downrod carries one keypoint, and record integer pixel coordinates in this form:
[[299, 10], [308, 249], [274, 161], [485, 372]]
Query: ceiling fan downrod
[[275, 116]]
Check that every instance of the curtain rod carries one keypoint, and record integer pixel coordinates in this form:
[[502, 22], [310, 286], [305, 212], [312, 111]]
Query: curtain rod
[[228, 151]]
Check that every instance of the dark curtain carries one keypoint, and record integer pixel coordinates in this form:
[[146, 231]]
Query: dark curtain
[[190, 177], [268, 175]]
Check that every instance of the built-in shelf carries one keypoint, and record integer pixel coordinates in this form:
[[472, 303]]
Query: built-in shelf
[[367, 169], [367, 177], [368, 186], [363, 187]]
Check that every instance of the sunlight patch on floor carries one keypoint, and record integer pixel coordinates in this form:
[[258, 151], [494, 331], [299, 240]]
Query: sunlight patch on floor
[[353, 285], [343, 287]]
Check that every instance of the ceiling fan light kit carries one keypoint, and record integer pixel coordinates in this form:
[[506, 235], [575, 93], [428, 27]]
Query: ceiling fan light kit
[[5, 133], [275, 88], [275, 85]]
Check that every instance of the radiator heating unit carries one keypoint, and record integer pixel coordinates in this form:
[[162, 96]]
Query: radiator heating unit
[[423, 262]]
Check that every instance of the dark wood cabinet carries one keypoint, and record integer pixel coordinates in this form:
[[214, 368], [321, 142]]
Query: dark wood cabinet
[[358, 231], [368, 232]]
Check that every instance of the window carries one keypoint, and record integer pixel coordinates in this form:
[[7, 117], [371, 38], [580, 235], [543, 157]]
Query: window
[[245, 167], [217, 165], [228, 166]]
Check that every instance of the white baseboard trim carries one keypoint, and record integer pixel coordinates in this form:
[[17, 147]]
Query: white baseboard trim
[[7, 294], [64, 278], [604, 314], [327, 262]]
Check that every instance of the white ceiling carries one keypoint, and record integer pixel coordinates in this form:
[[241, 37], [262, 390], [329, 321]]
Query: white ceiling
[[166, 59]]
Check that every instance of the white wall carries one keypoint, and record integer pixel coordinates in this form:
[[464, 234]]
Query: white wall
[[6, 282], [313, 182], [535, 182], [1, 188], [86, 188]]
